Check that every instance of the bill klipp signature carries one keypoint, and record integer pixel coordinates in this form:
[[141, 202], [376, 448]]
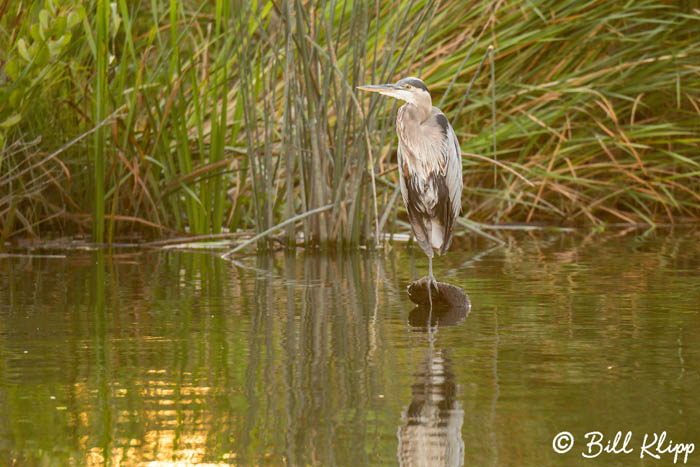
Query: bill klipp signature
[[654, 445]]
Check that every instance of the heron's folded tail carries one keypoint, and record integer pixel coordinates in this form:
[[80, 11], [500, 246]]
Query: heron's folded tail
[[437, 236]]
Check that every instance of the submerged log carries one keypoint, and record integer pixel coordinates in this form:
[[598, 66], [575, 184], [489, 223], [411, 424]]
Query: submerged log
[[450, 304], [446, 295]]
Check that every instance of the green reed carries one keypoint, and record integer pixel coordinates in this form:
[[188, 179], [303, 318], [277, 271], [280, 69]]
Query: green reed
[[310, 63], [100, 112]]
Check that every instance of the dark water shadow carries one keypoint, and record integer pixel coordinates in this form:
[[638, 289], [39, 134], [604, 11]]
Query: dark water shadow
[[431, 425]]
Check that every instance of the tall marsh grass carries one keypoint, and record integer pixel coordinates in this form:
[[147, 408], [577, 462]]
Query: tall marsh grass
[[217, 117]]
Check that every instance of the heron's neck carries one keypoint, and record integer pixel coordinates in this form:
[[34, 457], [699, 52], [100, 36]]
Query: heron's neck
[[409, 128], [418, 112]]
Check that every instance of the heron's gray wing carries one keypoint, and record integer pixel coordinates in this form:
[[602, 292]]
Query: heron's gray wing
[[450, 177], [453, 154]]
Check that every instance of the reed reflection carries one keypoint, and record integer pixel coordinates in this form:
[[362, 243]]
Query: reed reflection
[[431, 429], [308, 342]]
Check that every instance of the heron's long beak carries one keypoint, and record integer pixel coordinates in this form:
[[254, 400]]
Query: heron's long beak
[[386, 89]]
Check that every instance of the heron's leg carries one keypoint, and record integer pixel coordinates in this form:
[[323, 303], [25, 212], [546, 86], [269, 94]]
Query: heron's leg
[[430, 285], [431, 279]]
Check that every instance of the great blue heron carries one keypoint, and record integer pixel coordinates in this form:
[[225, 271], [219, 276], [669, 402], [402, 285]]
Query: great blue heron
[[430, 167]]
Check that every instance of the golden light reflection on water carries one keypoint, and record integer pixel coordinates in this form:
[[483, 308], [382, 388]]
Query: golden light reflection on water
[[178, 431]]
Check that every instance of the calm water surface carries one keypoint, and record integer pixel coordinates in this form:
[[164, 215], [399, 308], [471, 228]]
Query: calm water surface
[[137, 356]]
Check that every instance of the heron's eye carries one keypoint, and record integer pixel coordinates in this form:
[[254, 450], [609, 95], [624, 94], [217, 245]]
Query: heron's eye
[[407, 86]]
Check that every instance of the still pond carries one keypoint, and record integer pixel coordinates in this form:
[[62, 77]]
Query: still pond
[[131, 356]]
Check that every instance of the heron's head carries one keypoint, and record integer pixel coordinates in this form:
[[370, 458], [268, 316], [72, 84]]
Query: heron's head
[[411, 90]]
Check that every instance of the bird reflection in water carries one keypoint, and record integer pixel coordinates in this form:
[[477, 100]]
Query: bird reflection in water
[[431, 430]]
